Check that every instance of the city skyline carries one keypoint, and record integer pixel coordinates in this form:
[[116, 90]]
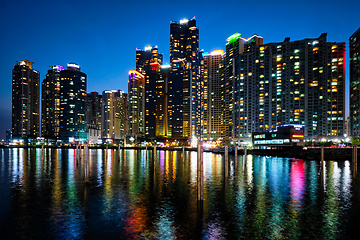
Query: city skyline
[[106, 54]]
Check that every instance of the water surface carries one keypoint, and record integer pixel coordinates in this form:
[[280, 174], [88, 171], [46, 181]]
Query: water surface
[[50, 194]]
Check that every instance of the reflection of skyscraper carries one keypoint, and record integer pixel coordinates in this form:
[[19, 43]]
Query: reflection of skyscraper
[[354, 60], [213, 104], [72, 104], [185, 83], [25, 101], [136, 96]]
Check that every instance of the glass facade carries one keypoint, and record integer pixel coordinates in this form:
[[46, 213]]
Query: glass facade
[[25, 101], [354, 60], [299, 82], [213, 125]]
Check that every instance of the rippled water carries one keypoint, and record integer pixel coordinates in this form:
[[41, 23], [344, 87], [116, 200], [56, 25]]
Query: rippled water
[[44, 195]]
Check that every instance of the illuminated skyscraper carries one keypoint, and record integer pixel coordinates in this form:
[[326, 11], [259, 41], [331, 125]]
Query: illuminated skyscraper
[[94, 103], [185, 82], [147, 63], [72, 117], [25, 101], [50, 103], [300, 82], [93, 117], [136, 96], [162, 102], [234, 92], [147, 58], [113, 116], [213, 104], [354, 60], [64, 104]]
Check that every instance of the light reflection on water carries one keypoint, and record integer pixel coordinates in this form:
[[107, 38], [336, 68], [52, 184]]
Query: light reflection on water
[[44, 195]]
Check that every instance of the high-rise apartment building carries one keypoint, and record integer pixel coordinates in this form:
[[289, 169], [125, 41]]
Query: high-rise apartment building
[[147, 58], [113, 116], [136, 99], [72, 118], [25, 101], [93, 117], [185, 82], [124, 115], [94, 103], [50, 103], [64, 104], [234, 94], [147, 63], [354, 60], [163, 111], [213, 126], [300, 82]]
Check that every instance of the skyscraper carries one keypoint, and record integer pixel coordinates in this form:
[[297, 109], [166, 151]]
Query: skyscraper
[[234, 94], [354, 60], [147, 63], [163, 111], [213, 126], [136, 96], [72, 117], [25, 101], [93, 117], [185, 85], [300, 82], [113, 116], [94, 103], [50, 103], [64, 104]]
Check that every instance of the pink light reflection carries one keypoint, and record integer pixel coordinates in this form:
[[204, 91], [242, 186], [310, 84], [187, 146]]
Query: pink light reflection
[[297, 182]]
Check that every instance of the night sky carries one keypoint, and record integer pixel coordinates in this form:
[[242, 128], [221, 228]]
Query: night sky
[[101, 36]]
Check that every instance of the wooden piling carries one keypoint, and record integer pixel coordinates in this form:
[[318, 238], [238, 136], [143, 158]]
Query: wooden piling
[[244, 159], [86, 159], [200, 180], [226, 162], [354, 154], [226, 153], [155, 153], [354, 161], [236, 154]]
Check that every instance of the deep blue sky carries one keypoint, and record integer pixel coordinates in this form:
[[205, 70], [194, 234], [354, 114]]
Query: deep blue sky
[[101, 36]]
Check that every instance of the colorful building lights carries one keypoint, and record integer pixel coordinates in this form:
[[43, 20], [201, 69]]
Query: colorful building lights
[[217, 52], [233, 37], [136, 73], [297, 136], [183, 21]]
